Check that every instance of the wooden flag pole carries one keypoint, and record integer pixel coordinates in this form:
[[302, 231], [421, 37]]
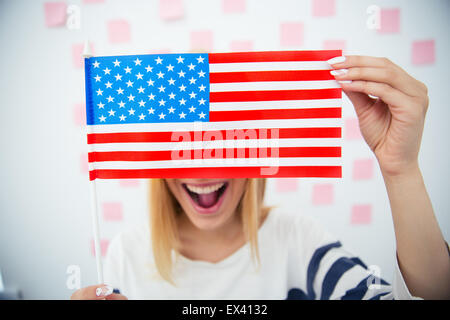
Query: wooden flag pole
[[94, 209]]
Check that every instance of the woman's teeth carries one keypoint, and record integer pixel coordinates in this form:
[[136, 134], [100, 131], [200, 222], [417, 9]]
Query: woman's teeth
[[204, 190]]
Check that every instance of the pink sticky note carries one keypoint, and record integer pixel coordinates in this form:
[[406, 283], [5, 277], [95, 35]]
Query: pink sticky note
[[79, 114], [423, 52], [286, 185], [389, 21], [322, 194], [55, 14], [84, 163], [241, 46], [323, 8], [362, 169], [202, 41], [334, 45], [361, 214], [171, 9], [104, 243], [291, 34], [77, 54], [112, 211], [119, 31], [351, 129], [129, 183], [233, 6]]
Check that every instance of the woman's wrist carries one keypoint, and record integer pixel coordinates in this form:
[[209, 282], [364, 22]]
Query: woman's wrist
[[409, 174]]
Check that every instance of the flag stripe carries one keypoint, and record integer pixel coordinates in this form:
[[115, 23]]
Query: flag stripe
[[330, 132], [255, 76], [273, 85], [287, 104], [213, 154], [198, 126], [247, 143], [269, 66], [274, 114], [274, 95], [273, 56], [222, 172]]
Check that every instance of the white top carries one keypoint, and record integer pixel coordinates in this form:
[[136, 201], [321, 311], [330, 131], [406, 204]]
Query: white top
[[299, 260]]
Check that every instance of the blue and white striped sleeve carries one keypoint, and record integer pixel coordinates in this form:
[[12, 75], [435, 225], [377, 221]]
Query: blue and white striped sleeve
[[334, 273]]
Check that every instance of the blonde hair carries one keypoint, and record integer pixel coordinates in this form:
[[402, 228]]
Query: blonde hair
[[164, 209]]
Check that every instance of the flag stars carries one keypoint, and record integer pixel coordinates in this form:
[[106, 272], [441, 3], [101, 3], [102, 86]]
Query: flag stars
[[129, 83], [192, 80], [102, 118], [180, 59], [121, 104], [182, 102], [110, 99], [151, 111], [131, 111], [160, 75], [119, 91], [192, 95], [171, 110], [182, 87], [192, 109], [137, 62], [202, 115], [122, 117], [182, 115], [141, 103], [162, 116], [130, 97], [99, 92], [202, 88], [118, 77], [162, 102], [127, 69], [108, 84], [96, 64], [142, 116], [150, 82], [116, 63], [200, 59], [140, 89], [162, 88], [100, 105], [159, 60], [97, 78], [139, 76], [191, 67], [181, 74], [111, 113], [172, 96], [171, 81], [169, 67], [106, 70], [148, 68], [201, 101], [201, 74], [151, 96]]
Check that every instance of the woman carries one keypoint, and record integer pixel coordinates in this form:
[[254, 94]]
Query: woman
[[213, 239]]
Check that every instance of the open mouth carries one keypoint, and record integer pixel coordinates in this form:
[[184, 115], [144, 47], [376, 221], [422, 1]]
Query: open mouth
[[206, 197]]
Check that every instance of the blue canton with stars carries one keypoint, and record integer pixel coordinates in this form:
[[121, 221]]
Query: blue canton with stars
[[147, 88]]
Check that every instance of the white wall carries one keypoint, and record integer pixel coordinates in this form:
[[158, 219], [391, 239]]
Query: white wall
[[45, 221]]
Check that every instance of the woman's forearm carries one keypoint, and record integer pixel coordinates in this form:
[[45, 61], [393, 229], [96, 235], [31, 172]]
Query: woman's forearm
[[421, 249]]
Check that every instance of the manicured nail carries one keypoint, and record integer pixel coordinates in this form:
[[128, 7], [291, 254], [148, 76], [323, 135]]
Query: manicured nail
[[338, 72], [345, 81], [104, 291], [336, 60]]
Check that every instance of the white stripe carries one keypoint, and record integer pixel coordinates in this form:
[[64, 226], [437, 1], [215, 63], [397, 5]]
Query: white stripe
[[210, 126], [287, 104], [211, 163], [273, 85], [262, 143], [269, 66]]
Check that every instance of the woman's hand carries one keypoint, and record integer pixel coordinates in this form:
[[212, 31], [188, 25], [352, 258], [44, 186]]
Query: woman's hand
[[393, 124], [98, 292]]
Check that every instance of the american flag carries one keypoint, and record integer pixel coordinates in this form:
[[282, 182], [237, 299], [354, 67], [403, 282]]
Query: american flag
[[217, 115]]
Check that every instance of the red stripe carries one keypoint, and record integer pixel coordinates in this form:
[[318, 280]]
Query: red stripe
[[272, 95], [268, 56], [223, 172], [242, 115], [303, 75], [166, 155], [124, 137]]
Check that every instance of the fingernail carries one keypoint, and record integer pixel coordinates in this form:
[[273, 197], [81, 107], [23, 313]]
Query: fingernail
[[338, 72], [104, 291], [345, 81], [336, 60]]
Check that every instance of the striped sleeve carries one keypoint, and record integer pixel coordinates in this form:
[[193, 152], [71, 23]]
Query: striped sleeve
[[334, 273]]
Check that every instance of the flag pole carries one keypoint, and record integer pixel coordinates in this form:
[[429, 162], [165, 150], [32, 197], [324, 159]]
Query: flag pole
[[93, 195]]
